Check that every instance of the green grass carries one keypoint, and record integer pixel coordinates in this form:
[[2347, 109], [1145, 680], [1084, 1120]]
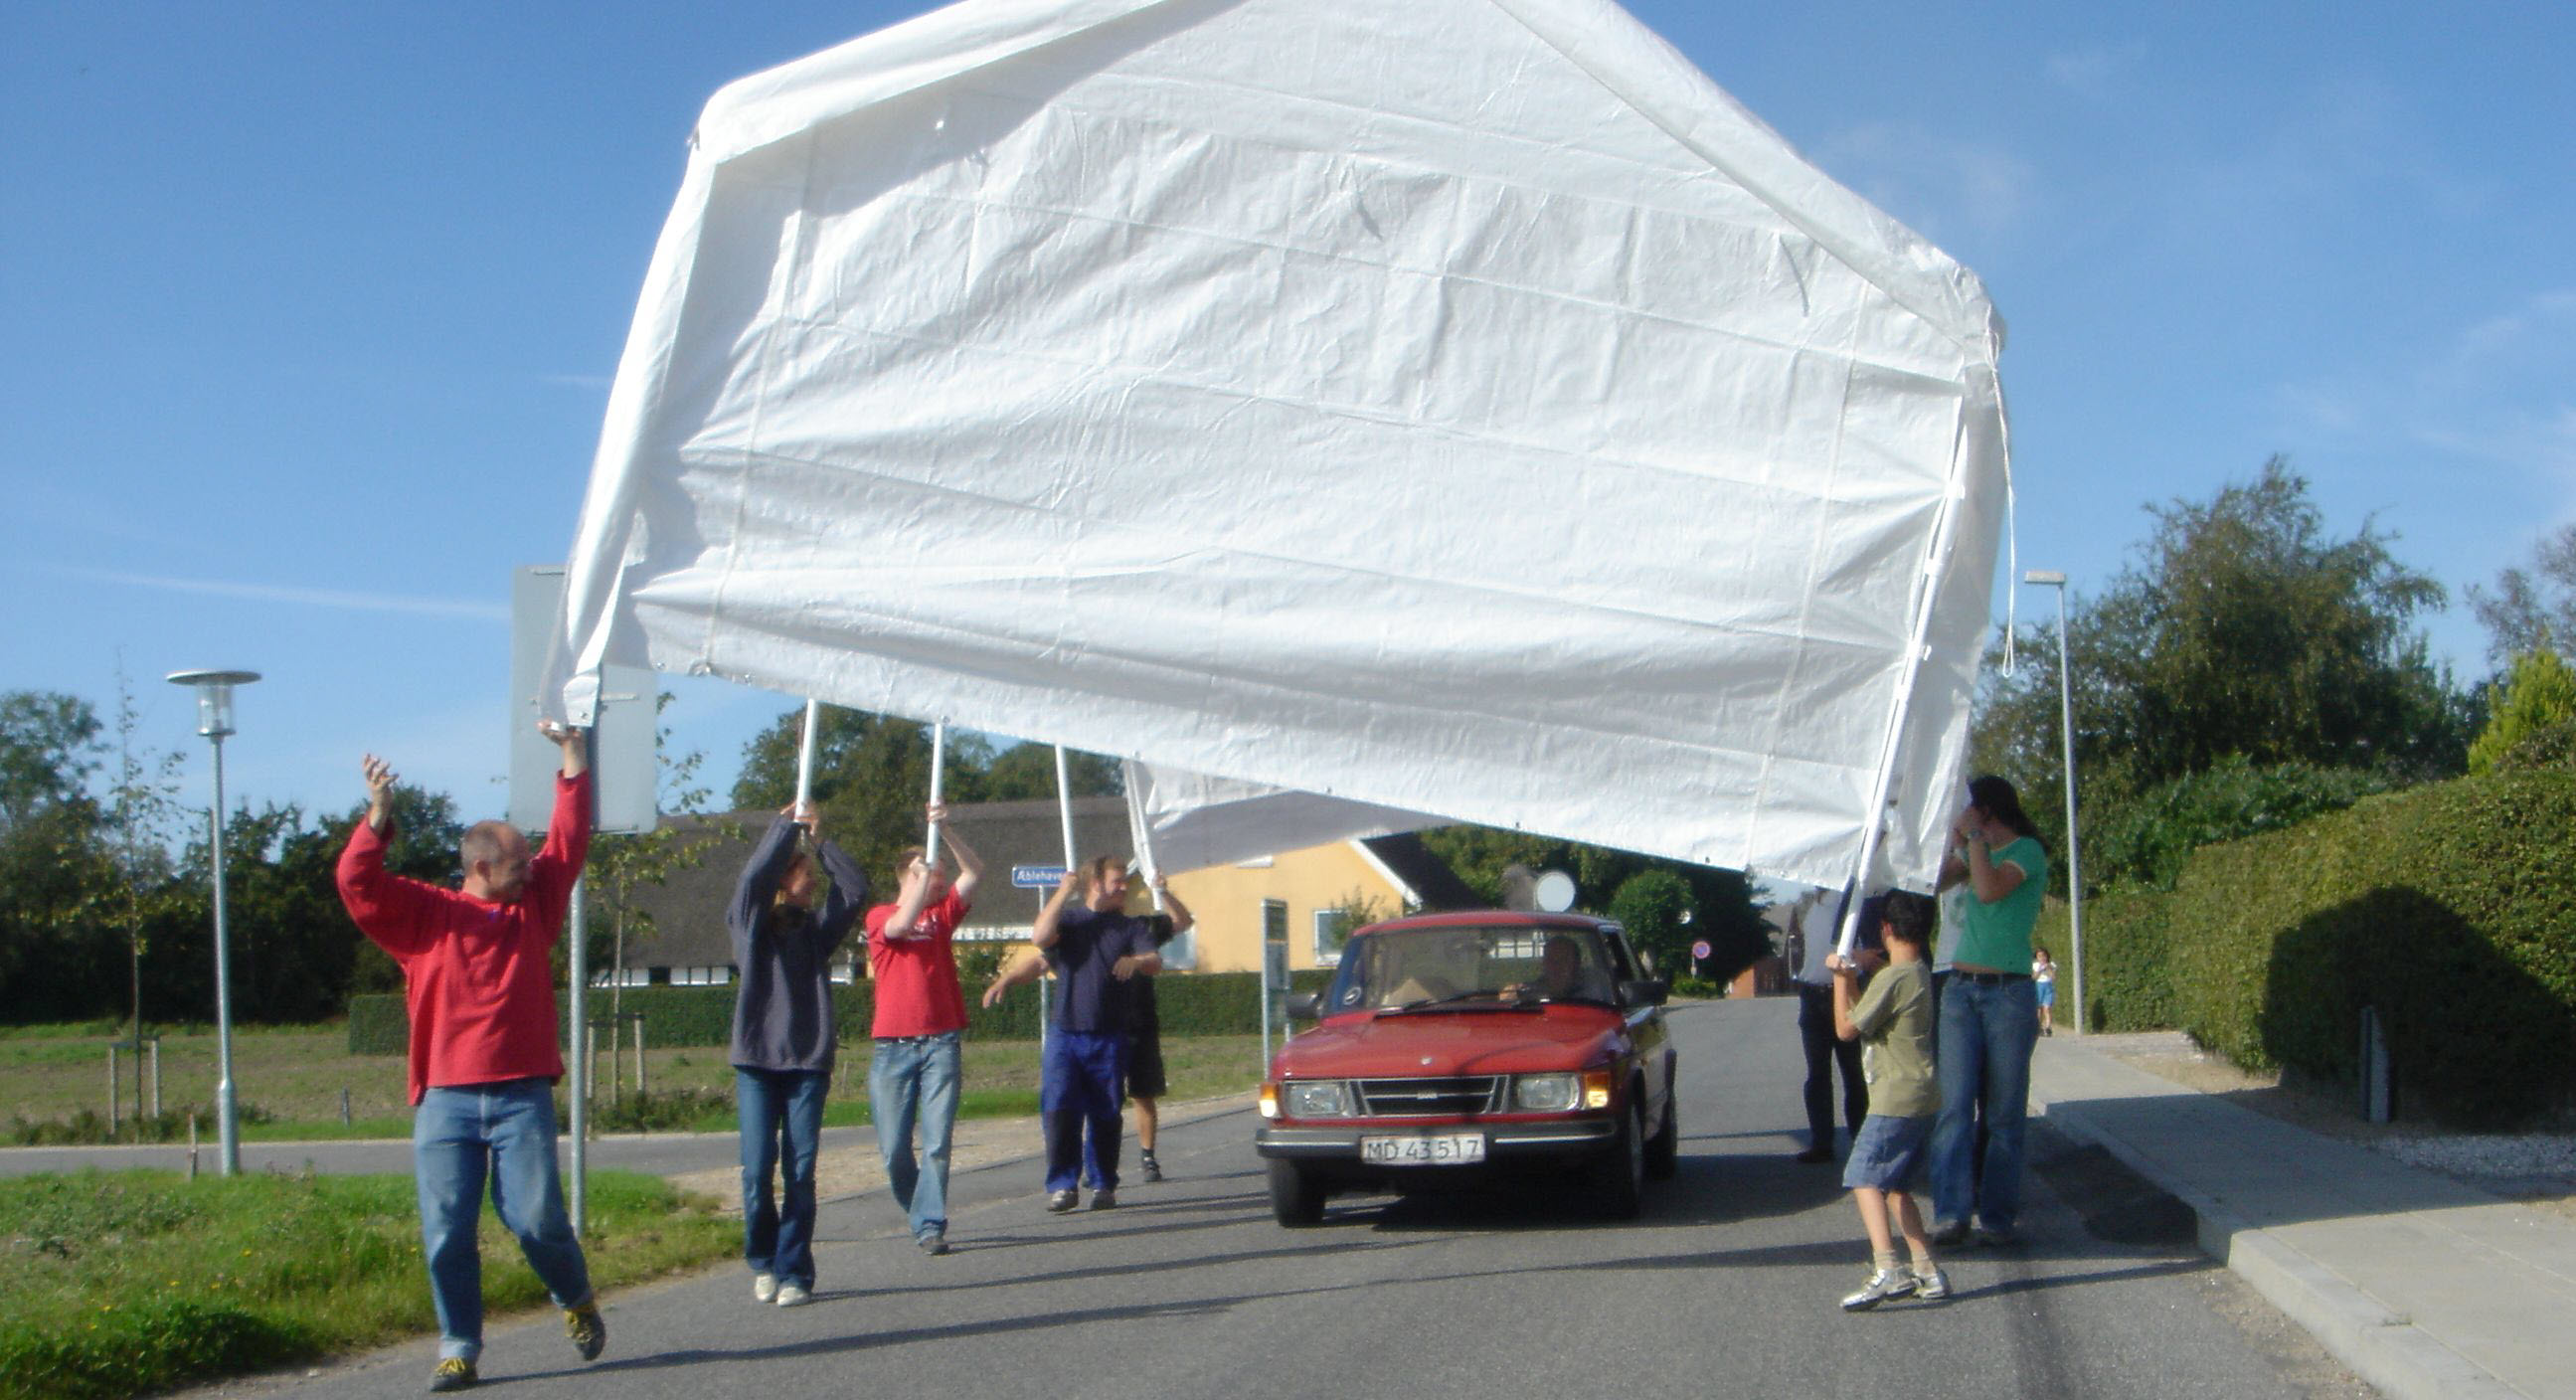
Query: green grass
[[129, 1282], [290, 1078]]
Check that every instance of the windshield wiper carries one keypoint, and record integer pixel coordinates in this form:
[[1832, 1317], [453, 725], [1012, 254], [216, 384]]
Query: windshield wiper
[[1435, 1003]]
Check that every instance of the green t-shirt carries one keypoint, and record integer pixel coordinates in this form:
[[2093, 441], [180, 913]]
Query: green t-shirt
[[1998, 934], [1894, 1018]]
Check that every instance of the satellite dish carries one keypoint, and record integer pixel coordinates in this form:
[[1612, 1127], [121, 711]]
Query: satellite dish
[[1555, 892]]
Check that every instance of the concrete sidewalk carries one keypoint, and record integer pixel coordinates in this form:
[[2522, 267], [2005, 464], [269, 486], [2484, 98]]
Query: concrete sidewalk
[[2427, 1288]]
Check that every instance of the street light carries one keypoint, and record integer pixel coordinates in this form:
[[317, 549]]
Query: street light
[[2051, 578], [215, 720]]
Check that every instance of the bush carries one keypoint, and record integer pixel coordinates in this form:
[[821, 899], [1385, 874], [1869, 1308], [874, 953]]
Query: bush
[[2144, 841], [2127, 980], [2451, 908]]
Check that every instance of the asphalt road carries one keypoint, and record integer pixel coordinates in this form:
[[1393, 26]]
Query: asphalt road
[[1727, 1286]]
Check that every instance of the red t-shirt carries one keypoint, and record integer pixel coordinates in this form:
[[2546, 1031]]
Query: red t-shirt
[[916, 992], [476, 981]]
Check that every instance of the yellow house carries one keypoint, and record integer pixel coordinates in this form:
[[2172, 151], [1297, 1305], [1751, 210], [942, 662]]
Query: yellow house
[[1298, 896]]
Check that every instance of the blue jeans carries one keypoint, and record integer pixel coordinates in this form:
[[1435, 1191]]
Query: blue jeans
[[912, 1081], [1084, 1080], [1986, 1037], [781, 1113], [505, 1134]]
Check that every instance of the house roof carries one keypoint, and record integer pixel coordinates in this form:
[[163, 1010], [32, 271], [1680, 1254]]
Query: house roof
[[688, 907]]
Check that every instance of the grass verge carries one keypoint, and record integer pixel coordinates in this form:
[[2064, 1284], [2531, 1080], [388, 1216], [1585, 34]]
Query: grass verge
[[129, 1282]]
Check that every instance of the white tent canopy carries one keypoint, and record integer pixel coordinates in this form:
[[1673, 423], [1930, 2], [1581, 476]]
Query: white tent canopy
[[1458, 407]]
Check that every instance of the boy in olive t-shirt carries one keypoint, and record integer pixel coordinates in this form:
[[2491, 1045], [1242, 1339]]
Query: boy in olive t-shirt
[[1893, 1023]]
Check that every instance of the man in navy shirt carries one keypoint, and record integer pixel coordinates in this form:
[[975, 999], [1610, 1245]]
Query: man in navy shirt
[[1093, 944]]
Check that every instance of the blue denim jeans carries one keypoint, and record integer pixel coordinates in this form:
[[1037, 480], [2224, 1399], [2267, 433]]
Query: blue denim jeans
[[503, 1134], [781, 1113], [1083, 1083], [913, 1082], [1985, 1041]]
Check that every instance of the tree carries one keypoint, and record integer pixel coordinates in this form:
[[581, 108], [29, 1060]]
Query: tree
[[2538, 697], [1720, 901], [1024, 772], [2239, 628], [621, 867], [49, 852], [2532, 609]]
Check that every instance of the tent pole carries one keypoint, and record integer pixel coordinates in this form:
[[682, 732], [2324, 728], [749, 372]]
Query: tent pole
[[938, 764], [805, 756], [1927, 601], [1141, 831]]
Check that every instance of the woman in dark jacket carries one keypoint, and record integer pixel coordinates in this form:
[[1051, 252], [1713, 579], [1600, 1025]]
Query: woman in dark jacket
[[783, 1040]]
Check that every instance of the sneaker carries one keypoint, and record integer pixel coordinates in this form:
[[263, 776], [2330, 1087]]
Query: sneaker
[[1997, 1236], [1151, 1169], [454, 1373], [793, 1295], [933, 1243], [1813, 1155], [588, 1331], [1952, 1235], [764, 1288], [1931, 1285], [1062, 1201], [1104, 1200], [1883, 1285]]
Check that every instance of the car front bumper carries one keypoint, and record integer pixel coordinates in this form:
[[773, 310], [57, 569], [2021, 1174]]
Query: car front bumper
[[1339, 1143]]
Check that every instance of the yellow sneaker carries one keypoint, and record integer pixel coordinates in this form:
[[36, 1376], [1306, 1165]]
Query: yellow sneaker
[[588, 1331], [454, 1373]]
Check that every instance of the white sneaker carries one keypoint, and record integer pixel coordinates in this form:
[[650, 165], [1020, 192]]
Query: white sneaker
[[791, 1296], [764, 1288]]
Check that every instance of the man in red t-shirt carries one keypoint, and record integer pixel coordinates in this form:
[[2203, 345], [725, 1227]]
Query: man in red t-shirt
[[920, 1020], [483, 1053]]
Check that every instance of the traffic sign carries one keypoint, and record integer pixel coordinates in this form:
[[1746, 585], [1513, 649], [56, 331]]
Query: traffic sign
[[1037, 877], [1700, 949]]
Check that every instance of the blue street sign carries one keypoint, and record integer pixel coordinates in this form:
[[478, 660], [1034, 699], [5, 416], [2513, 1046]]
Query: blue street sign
[[1037, 877]]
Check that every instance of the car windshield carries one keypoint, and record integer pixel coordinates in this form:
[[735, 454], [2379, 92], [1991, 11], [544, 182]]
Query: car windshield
[[1426, 969]]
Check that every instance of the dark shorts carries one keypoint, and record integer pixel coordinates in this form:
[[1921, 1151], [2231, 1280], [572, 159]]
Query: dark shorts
[[1145, 1066], [1889, 1154]]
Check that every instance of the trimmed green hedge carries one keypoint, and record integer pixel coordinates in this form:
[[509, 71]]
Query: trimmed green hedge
[[2128, 983], [2450, 907], [1218, 1003]]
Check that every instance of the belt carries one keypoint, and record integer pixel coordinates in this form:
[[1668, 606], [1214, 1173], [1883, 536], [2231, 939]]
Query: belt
[[1990, 979]]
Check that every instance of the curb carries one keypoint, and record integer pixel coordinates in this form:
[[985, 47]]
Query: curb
[[2385, 1349]]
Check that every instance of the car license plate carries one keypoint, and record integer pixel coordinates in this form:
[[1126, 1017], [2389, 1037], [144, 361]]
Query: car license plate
[[1446, 1149]]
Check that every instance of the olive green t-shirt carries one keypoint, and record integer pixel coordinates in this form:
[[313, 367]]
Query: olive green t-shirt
[[1998, 934], [1894, 1018]]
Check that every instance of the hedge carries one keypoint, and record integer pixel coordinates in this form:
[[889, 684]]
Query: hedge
[[1216, 1003], [2451, 908], [2128, 984]]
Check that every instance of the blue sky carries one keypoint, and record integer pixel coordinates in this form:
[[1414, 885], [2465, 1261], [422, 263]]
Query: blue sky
[[307, 311]]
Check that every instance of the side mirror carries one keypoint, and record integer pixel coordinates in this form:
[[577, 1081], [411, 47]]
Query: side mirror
[[1305, 1006], [1645, 991]]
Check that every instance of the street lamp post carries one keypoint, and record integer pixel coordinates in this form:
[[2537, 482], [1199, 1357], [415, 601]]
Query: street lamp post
[[2051, 578], [215, 720]]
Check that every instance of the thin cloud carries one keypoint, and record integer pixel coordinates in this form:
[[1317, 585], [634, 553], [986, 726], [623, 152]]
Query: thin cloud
[[2098, 72], [305, 597], [598, 382], [1932, 181]]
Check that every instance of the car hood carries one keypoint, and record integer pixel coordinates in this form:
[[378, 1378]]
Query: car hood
[[1454, 1042]]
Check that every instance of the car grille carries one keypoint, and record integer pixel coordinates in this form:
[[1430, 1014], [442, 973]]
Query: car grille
[[1414, 1098]]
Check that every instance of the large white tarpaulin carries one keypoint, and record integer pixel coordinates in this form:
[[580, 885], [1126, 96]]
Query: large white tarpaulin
[[1453, 406]]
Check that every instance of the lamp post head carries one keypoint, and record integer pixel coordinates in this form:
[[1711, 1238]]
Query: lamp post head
[[2047, 577], [214, 697]]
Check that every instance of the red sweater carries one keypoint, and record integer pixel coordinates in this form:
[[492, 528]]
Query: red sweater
[[477, 984], [917, 990]]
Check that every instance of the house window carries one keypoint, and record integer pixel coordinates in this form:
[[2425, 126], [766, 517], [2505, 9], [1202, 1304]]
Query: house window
[[1332, 930], [1182, 953], [702, 976], [635, 977]]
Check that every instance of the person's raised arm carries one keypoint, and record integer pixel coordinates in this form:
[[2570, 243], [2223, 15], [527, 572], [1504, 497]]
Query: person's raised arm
[[1045, 933], [1990, 880], [1846, 977], [848, 894], [912, 895], [575, 744], [1180, 913], [393, 912], [758, 883], [1025, 970], [970, 862]]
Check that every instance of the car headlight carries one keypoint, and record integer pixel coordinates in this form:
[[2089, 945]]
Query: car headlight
[[1544, 1093], [1316, 1099]]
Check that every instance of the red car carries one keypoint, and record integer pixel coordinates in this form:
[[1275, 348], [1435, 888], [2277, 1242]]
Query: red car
[[1472, 1049]]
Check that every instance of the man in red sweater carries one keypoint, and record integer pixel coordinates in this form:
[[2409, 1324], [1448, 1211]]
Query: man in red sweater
[[484, 1056]]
